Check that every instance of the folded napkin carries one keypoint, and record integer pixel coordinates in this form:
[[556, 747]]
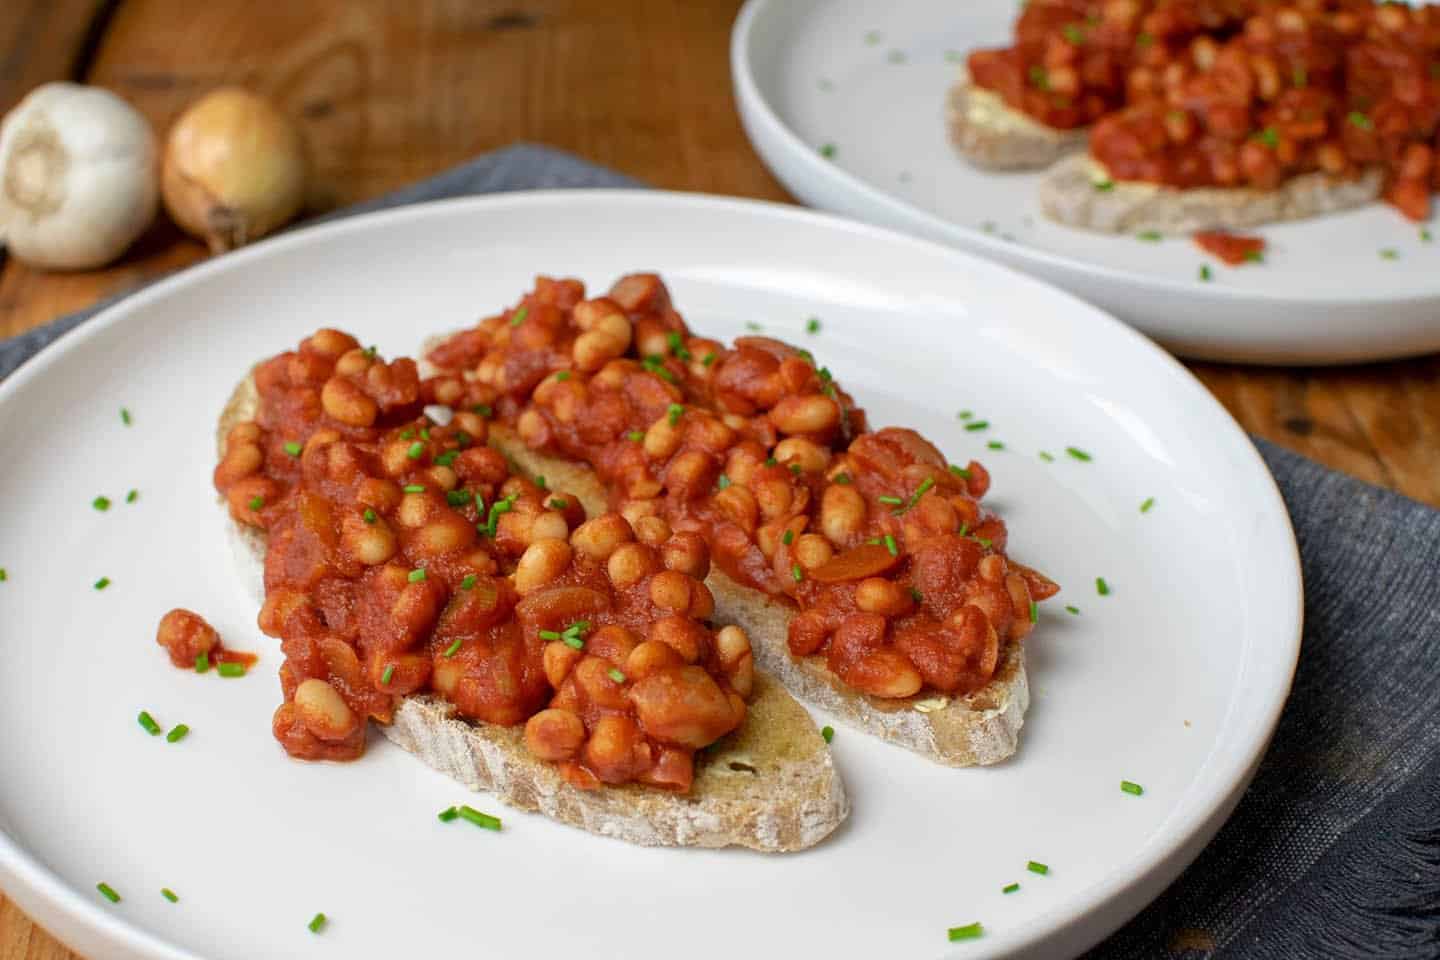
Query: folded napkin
[[1335, 849]]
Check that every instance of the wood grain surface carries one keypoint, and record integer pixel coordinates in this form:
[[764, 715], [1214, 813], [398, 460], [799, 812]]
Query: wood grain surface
[[389, 92]]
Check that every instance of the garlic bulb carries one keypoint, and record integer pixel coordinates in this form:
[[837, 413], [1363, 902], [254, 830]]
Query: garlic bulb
[[77, 177], [234, 169]]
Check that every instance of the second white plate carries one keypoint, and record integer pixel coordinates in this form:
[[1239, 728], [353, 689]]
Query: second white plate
[[869, 78]]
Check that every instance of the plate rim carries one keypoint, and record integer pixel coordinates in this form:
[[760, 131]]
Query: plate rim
[[749, 95], [1089, 916]]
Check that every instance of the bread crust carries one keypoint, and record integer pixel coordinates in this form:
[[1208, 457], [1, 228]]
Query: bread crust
[[981, 728], [991, 134], [1068, 195], [770, 786]]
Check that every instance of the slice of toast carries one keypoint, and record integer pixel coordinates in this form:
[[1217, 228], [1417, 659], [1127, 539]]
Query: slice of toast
[[994, 135], [769, 786], [1069, 195], [981, 728]]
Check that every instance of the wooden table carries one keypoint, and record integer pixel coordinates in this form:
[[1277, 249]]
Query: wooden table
[[389, 92]]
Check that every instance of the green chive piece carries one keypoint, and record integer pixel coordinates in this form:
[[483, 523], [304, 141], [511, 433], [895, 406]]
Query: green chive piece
[[169, 894], [615, 675], [387, 675], [558, 503], [231, 670], [1146, 504], [968, 932], [827, 732], [1132, 788], [794, 468], [519, 316], [468, 582], [888, 499], [457, 498], [722, 482], [4, 575], [1205, 273], [841, 478], [293, 448], [202, 663], [416, 575], [1048, 458], [540, 480], [709, 358], [480, 819], [1101, 587], [449, 814], [674, 412], [424, 433], [408, 433], [483, 409], [1150, 236], [1079, 454], [1389, 253], [148, 722], [1074, 611], [1103, 186], [102, 583], [1359, 119], [788, 537], [1425, 235], [1034, 612], [974, 425], [317, 923], [1010, 888], [917, 596], [369, 516], [108, 892], [827, 150], [1036, 867], [454, 648], [960, 472], [574, 643], [125, 417], [446, 458], [964, 414], [890, 545], [479, 504], [562, 376], [256, 502], [995, 445], [984, 542], [549, 635], [101, 503], [812, 325], [1254, 256], [414, 488], [180, 732], [796, 573], [635, 436], [416, 451]]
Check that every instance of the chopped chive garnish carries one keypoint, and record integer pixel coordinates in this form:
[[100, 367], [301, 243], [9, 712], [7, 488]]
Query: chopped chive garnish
[[574, 643], [722, 482], [180, 732], [984, 542], [635, 436], [416, 451], [1047, 457], [960, 472], [449, 814], [446, 458], [317, 923], [368, 516], [615, 675], [917, 596], [202, 662], [920, 491], [125, 417], [752, 326], [408, 433], [1034, 612], [169, 894], [1072, 610], [796, 573], [231, 670], [1150, 236], [468, 582], [424, 433], [108, 892], [4, 575], [1146, 504], [414, 488], [293, 448], [828, 732], [977, 425], [1101, 587], [709, 358], [674, 412], [387, 675], [1389, 253], [794, 468], [964, 414], [1103, 186], [1010, 888], [841, 478], [1037, 867], [454, 648], [483, 409], [1205, 273], [562, 376], [480, 819], [1425, 235], [416, 575], [890, 545], [519, 316], [968, 932], [827, 150], [479, 503], [995, 445], [812, 325], [101, 503], [1359, 119], [1079, 454], [457, 498], [558, 503], [1131, 787], [1254, 256], [256, 502], [889, 500], [371, 352], [789, 536], [148, 722], [540, 480], [549, 634], [102, 583]]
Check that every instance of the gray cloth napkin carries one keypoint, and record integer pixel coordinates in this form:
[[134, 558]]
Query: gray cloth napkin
[[1335, 849]]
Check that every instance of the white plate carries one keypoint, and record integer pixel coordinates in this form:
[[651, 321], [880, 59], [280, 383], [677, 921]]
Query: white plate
[[813, 72], [1174, 681]]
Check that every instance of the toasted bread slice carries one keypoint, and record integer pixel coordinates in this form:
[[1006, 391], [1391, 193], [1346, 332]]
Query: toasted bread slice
[[1068, 194], [981, 728], [992, 134], [769, 786]]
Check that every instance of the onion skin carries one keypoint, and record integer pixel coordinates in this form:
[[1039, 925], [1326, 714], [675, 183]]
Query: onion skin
[[234, 169]]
